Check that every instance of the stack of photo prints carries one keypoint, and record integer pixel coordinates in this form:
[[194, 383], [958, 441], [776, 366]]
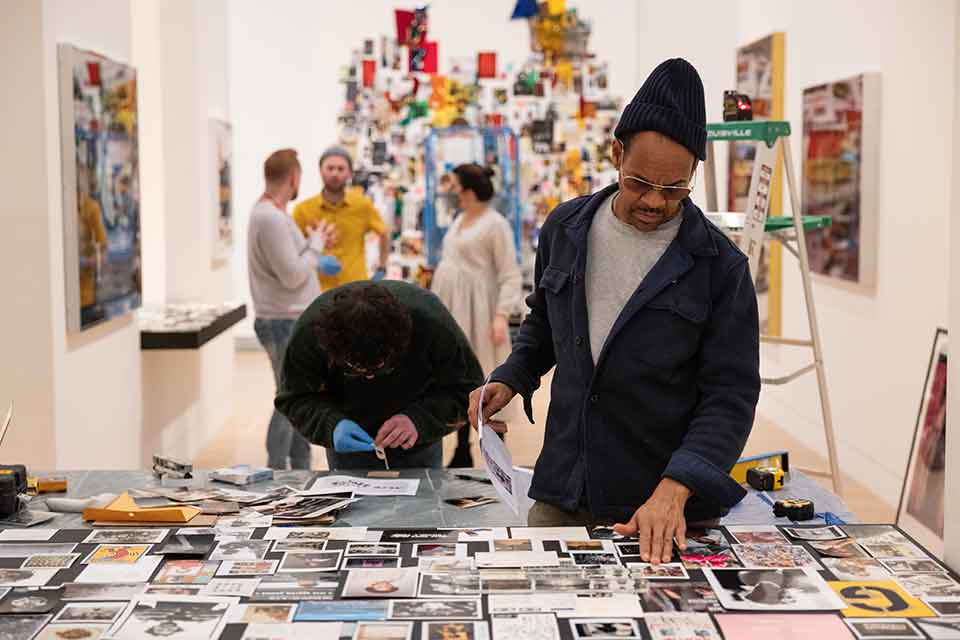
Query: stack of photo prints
[[248, 579]]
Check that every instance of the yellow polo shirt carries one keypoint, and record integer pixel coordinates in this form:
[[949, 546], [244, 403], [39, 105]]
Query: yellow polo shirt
[[354, 218]]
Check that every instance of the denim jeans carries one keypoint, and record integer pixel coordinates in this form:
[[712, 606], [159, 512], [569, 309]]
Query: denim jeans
[[283, 441], [430, 456]]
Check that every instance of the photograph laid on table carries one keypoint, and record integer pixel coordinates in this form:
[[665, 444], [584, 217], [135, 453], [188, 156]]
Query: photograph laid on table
[[911, 565], [193, 619], [847, 548], [894, 550], [99, 592], [173, 589], [755, 534], [297, 587], [458, 630], [126, 536], [436, 565], [772, 590], [247, 550], [90, 612], [187, 545], [542, 626], [774, 556], [231, 568], [885, 629], [372, 562], [396, 631], [875, 534], [706, 537], [14, 550], [717, 557], [516, 544], [300, 562], [30, 600], [929, 585], [26, 577], [299, 546], [590, 558], [436, 609], [680, 596], [381, 583], [117, 554], [70, 631], [232, 587], [815, 533], [605, 628], [50, 561], [447, 585], [944, 606], [856, 568], [267, 613], [341, 610], [878, 599], [21, 627], [586, 546], [669, 626], [668, 571], [378, 549], [519, 584], [940, 628], [186, 572], [439, 550]]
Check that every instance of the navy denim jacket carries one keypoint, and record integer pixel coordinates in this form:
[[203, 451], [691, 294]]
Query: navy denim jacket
[[674, 390]]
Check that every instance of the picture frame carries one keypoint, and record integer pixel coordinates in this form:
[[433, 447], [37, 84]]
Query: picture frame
[[920, 511]]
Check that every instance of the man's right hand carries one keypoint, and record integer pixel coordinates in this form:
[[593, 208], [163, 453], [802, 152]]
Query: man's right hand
[[497, 396]]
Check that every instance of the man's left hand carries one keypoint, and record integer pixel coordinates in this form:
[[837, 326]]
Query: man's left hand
[[398, 431], [659, 521]]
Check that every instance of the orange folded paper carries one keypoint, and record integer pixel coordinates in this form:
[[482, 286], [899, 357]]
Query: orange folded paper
[[124, 509]]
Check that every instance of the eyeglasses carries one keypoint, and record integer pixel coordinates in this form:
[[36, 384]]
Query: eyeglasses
[[368, 373], [640, 187]]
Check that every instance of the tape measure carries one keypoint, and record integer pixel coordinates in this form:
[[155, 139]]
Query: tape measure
[[765, 478], [796, 509]]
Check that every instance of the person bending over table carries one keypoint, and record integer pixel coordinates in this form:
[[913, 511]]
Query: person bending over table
[[378, 364], [649, 313]]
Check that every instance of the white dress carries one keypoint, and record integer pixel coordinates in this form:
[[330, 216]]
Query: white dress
[[477, 278]]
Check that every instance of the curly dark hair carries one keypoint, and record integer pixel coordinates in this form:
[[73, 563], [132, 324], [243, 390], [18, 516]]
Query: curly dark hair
[[366, 326]]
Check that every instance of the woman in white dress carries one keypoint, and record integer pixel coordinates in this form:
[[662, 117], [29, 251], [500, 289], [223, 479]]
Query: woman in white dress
[[478, 278]]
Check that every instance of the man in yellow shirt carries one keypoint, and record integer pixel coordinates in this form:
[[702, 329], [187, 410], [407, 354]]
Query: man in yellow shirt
[[352, 214]]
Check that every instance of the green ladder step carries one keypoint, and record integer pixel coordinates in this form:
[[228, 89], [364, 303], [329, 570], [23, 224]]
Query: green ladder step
[[810, 223], [766, 130]]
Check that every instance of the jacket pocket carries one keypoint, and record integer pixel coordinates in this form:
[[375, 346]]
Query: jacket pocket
[[671, 331], [555, 283]]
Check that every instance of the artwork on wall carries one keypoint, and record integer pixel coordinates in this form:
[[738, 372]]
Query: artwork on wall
[[840, 145], [760, 69], [222, 210], [921, 508], [101, 187]]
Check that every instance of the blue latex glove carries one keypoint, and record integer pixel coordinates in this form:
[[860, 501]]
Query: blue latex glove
[[379, 275], [349, 437], [328, 265]]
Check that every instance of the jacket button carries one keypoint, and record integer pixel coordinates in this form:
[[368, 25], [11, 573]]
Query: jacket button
[[594, 398], [579, 340]]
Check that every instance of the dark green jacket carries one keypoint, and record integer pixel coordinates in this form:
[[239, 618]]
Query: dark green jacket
[[431, 384]]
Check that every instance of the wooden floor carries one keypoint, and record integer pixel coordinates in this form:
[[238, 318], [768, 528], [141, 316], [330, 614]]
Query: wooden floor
[[242, 439]]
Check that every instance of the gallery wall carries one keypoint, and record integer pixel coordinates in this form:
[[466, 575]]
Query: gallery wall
[[876, 342], [284, 66]]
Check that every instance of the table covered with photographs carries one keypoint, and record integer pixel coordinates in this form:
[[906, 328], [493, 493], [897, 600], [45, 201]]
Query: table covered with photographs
[[413, 567]]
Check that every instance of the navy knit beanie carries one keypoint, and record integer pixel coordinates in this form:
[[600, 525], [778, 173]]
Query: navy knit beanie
[[671, 102]]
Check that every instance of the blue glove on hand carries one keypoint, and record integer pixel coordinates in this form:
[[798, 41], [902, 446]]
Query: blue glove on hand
[[329, 266], [379, 275], [349, 437]]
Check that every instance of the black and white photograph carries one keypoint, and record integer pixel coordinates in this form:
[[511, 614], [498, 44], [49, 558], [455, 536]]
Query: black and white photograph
[[929, 585], [884, 629], [90, 612], [680, 597], [178, 619], [20, 601], [21, 627], [449, 585], [373, 549], [186, 545], [246, 550], [772, 590], [607, 628], [25, 550], [231, 568], [26, 577], [894, 550], [936, 628], [436, 609], [101, 592], [911, 565], [126, 536], [875, 534], [944, 606], [299, 546], [50, 561], [381, 583], [297, 587], [526, 626], [628, 548], [815, 533], [590, 558], [294, 562]]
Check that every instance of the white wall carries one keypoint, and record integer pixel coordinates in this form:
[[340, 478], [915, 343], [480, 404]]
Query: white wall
[[876, 343], [97, 409], [285, 58]]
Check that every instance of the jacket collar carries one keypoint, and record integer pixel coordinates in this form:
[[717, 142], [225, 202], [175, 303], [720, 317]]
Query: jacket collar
[[694, 234]]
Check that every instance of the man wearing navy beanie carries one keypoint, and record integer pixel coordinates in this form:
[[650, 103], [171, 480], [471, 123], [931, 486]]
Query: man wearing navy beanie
[[649, 314]]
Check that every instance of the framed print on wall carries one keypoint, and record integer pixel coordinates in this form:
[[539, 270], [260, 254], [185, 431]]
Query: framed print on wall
[[921, 509], [841, 128], [222, 190], [101, 187]]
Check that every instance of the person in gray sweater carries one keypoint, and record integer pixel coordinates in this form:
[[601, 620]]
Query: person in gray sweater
[[283, 268]]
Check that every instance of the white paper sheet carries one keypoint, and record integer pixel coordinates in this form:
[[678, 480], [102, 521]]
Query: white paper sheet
[[559, 603], [27, 535], [550, 533], [139, 571], [510, 559], [614, 605], [362, 486]]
